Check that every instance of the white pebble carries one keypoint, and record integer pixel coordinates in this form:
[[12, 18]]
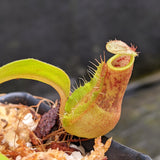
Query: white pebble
[[18, 158], [74, 156]]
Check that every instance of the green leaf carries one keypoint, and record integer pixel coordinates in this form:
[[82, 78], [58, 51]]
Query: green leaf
[[40, 71], [3, 157]]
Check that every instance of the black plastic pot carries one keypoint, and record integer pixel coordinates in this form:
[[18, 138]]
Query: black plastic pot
[[24, 98], [117, 151]]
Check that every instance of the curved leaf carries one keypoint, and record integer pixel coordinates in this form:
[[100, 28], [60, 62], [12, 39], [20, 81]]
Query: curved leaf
[[40, 71]]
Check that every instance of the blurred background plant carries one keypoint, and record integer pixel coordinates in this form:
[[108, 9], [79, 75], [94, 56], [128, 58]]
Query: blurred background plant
[[70, 33]]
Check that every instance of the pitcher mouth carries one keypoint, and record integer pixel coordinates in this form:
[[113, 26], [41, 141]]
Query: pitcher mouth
[[120, 62]]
